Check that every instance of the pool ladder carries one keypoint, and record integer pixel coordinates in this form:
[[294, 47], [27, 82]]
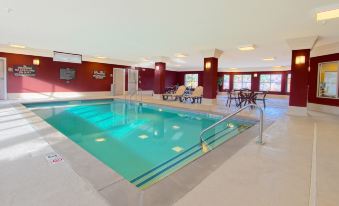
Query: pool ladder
[[204, 145], [139, 91]]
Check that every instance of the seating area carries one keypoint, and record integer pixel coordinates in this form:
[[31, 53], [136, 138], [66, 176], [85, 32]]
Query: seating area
[[245, 96], [184, 94]]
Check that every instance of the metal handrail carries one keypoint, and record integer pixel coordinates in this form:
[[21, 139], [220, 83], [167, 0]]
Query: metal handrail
[[134, 93], [261, 124]]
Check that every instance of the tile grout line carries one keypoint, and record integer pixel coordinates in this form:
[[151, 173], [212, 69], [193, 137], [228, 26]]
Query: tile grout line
[[313, 187]]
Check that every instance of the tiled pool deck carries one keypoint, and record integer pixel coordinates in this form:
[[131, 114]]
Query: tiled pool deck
[[239, 172]]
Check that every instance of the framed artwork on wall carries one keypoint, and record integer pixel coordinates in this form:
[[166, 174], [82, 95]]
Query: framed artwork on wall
[[99, 74], [67, 74]]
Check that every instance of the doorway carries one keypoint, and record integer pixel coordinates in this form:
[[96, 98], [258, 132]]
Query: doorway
[[3, 79], [118, 82]]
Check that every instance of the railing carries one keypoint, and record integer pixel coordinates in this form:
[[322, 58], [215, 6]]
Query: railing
[[261, 124], [135, 93]]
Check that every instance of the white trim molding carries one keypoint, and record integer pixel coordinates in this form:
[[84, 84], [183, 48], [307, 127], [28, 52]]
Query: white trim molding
[[323, 108], [57, 95], [297, 111]]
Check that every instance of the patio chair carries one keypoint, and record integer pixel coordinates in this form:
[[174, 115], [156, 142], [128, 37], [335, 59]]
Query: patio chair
[[262, 97], [231, 96], [196, 95], [177, 95]]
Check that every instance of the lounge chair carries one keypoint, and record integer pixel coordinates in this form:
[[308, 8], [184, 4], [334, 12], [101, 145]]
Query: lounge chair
[[177, 95], [196, 95]]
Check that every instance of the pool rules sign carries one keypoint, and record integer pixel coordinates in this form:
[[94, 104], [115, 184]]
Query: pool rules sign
[[54, 158]]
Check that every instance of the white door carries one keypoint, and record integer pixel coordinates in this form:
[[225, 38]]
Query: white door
[[118, 82], [133, 78], [2, 79]]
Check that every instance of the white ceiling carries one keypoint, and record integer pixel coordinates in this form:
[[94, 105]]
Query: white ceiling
[[127, 31]]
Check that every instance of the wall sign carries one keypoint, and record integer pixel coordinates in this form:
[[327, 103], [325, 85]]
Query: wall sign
[[67, 74], [24, 71], [99, 74], [53, 158]]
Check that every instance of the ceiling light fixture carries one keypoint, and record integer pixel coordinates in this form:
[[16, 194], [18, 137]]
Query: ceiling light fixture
[[249, 47], [277, 67], [101, 57], [233, 68], [326, 15], [181, 55], [145, 59], [17, 46], [268, 59]]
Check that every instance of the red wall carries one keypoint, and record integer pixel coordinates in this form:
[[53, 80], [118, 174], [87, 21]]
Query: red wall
[[256, 80], [313, 79], [47, 77], [170, 78]]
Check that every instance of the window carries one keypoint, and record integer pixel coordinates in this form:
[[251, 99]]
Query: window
[[328, 84], [270, 82], [191, 80], [288, 88], [226, 84], [242, 81]]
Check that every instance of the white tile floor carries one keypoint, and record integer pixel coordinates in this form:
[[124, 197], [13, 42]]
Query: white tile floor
[[277, 173]]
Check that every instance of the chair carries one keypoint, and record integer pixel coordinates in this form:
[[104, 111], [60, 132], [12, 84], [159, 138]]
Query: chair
[[262, 98], [178, 94], [231, 97], [196, 95]]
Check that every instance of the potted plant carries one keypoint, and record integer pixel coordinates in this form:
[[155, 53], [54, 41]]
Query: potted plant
[[220, 82]]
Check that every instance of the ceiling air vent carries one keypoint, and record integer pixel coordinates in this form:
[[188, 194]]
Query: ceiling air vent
[[66, 57]]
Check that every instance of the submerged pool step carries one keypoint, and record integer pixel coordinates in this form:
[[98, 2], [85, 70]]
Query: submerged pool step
[[159, 172]]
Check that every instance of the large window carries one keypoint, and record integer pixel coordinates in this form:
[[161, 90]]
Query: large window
[[226, 84], [328, 84], [191, 80], [288, 88], [270, 82], [242, 81]]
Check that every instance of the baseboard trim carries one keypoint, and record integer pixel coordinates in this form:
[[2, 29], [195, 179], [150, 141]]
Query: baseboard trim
[[323, 108], [297, 111]]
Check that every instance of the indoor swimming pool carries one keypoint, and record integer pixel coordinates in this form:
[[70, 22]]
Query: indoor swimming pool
[[142, 142]]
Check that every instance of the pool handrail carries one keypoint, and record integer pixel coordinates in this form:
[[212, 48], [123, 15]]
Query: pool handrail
[[261, 124]]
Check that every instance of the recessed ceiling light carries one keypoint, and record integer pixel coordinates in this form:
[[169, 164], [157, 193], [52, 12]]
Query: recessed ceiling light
[[268, 59], [249, 47], [101, 57], [278, 66], [17, 46], [145, 59], [181, 55], [233, 68], [326, 15]]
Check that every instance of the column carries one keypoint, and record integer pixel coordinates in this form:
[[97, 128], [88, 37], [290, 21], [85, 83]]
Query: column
[[210, 80], [299, 82], [159, 78]]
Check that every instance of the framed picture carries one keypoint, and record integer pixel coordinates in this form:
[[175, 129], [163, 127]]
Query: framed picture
[[67, 74]]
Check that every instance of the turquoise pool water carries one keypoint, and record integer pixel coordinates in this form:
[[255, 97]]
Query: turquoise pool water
[[143, 143]]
